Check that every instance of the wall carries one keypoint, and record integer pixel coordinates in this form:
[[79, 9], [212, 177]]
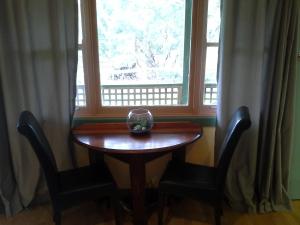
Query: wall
[[200, 152]]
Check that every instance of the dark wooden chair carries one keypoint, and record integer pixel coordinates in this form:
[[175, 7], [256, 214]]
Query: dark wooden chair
[[67, 188], [202, 182]]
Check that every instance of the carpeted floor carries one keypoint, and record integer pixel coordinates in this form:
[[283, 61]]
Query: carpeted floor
[[186, 212]]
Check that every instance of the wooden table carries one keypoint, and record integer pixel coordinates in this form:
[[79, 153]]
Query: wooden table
[[115, 140]]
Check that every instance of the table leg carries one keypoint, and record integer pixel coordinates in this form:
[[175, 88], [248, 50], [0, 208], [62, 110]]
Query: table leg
[[95, 157], [179, 155], [137, 178]]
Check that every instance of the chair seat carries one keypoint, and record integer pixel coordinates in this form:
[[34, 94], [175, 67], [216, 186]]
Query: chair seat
[[189, 179], [85, 177], [88, 181]]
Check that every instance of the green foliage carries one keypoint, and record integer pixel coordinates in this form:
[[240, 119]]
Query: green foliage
[[148, 34]]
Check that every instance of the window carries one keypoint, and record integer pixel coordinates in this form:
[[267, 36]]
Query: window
[[212, 47], [81, 96], [152, 53]]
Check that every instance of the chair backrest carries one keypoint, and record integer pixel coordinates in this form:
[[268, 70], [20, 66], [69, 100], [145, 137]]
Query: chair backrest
[[240, 122], [30, 128]]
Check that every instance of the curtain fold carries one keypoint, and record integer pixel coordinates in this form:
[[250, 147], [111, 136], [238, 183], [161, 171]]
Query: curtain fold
[[277, 115], [257, 69], [38, 62], [9, 194]]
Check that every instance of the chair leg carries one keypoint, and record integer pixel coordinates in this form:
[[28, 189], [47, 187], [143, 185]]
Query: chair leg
[[161, 206], [108, 203], [57, 218], [218, 213], [117, 210]]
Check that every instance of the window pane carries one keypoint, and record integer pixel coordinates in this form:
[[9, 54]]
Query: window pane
[[141, 50], [81, 96], [80, 100], [213, 21], [210, 90]]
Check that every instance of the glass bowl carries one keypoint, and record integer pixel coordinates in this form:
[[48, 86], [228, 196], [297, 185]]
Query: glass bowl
[[139, 121]]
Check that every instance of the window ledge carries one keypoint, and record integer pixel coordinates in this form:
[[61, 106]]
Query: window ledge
[[208, 121]]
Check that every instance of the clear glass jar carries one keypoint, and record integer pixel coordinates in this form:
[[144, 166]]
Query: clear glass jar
[[139, 121]]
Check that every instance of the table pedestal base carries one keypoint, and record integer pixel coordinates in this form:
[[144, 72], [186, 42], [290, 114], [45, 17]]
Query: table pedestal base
[[137, 179]]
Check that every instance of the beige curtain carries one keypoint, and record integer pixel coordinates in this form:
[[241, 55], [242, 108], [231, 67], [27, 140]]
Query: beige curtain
[[38, 60], [257, 69]]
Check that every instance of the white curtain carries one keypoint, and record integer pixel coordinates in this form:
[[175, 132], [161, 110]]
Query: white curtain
[[256, 69], [38, 61]]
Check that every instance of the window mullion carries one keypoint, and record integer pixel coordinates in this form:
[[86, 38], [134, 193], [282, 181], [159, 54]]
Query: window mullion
[[187, 50], [197, 65], [212, 44], [90, 54]]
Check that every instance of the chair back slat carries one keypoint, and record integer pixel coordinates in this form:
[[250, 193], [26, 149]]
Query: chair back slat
[[239, 123], [30, 128]]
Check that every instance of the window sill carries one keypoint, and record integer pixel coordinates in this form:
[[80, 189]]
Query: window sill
[[207, 121]]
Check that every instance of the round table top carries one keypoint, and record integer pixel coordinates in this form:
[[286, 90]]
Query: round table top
[[114, 138]]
